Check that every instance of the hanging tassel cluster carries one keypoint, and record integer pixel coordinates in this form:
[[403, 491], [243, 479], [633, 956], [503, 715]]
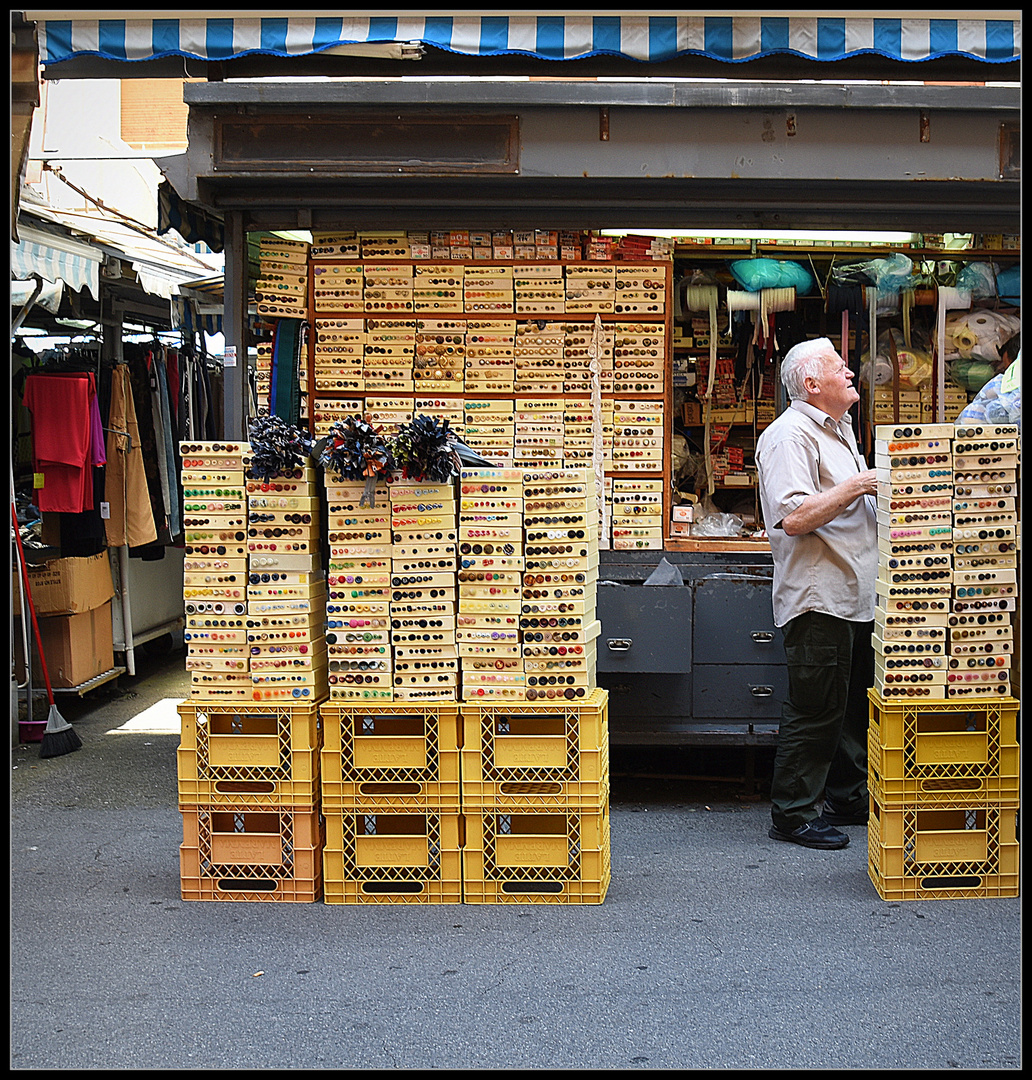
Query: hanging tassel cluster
[[423, 449], [276, 446], [355, 450]]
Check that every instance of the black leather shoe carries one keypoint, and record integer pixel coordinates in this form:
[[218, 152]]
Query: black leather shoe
[[814, 834], [834, 817]]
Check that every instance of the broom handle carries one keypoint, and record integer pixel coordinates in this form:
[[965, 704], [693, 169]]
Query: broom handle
[[32, 606]]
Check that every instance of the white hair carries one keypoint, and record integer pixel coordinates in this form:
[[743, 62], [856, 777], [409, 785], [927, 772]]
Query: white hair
[[806, 360]]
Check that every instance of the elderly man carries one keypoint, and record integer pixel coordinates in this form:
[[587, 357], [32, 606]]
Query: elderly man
[[817, 496]]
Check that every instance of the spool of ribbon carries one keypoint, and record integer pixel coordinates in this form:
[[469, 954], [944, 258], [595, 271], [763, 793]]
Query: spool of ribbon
[[739, 300], [964, 339], [704, 298], [773, 300]]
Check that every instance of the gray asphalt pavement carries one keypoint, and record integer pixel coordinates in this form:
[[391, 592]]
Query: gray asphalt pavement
[[716, 947]]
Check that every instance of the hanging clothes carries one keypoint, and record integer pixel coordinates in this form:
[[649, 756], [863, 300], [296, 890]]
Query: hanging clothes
[[131, 521], [64, 441], [163, 438], [284, 388], [139, 377]]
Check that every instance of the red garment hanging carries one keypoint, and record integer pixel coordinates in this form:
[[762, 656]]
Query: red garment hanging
[[60, 404]]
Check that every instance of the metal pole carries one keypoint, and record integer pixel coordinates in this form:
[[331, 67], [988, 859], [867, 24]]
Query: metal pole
[[234, 324], [111, 342]]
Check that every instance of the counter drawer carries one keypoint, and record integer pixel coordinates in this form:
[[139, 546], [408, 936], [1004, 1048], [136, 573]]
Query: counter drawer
[[733, 621], [739, 690], [645, 628]]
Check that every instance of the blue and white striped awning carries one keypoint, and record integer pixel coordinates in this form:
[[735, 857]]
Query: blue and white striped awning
[[650, 38], [77, 265]]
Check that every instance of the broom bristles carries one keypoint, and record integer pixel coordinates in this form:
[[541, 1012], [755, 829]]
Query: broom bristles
[[59, 737]]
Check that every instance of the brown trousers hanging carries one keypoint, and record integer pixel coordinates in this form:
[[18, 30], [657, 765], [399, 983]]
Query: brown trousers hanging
[[125, 489]]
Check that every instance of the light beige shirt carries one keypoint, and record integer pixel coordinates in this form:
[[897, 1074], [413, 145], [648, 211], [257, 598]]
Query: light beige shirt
[[832, 569]]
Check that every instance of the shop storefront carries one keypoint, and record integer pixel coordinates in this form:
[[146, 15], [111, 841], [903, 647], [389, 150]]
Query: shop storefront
[[683, 126]]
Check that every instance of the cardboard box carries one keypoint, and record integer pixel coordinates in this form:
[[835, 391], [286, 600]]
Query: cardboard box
[[71, 586], [77, 647]]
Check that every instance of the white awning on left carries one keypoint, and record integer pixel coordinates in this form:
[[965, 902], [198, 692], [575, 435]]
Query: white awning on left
[[55, 258]]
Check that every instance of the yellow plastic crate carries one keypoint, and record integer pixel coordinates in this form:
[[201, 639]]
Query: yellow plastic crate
[[926, 851], [555, 751], [251, 852], [536, 857], [268, 754], [524, 788], [380, 856], [400, 754], [896, 776], [948, 750]]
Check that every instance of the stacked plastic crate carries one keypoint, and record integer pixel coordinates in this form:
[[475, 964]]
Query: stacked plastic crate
[[391, 800], [942, 743], [215, 569], [424, 590], [358, 606], [249, 798], [490, 537], [535, 773]]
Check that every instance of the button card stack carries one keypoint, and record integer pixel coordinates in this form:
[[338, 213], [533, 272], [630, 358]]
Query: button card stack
[[490, 566], [424, 590], [358, 642]]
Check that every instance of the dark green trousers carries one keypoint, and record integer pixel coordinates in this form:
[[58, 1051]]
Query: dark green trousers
[[822, 741]]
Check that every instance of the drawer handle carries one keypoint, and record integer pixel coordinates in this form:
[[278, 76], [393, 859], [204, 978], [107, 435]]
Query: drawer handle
[[618, 644], [761, 691], [762, 635]]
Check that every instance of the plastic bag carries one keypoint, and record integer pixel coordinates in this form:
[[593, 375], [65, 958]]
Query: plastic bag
[[979, 279], [718, 524], [756, 274], [665, 574], [979, 334], [914, 365], [853, 274], [893, 274], [993, 404], [1008, 285]]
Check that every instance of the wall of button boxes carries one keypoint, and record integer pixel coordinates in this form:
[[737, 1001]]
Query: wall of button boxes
[[500, 350]]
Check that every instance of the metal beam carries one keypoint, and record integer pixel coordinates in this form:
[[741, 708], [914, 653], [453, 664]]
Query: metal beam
[[649, 92], [607, 202]]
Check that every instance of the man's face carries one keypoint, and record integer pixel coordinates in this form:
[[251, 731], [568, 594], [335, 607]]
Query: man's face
[[833, 392]]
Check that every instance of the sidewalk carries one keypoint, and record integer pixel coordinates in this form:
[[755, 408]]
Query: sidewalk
[[715, 948]]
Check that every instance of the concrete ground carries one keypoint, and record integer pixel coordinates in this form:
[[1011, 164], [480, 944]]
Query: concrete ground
[[715, 948]]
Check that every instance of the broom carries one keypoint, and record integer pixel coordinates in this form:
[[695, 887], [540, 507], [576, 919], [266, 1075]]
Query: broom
[[59, 737]]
